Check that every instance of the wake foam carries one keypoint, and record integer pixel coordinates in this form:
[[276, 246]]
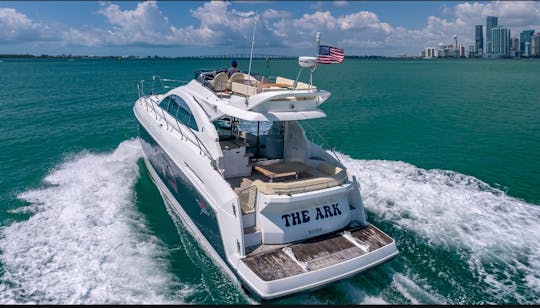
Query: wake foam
[[497, 234], [85, 241]]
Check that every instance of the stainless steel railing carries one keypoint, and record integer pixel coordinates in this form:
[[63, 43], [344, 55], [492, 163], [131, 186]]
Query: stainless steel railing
[[313, 132], [151, 103]]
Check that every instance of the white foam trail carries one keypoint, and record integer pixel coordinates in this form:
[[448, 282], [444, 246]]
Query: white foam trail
[[85, 241], [499, 234], [358, 295], [408, 290], [412, 291]]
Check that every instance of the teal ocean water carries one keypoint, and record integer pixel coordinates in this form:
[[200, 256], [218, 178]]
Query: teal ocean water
[[446, 152]]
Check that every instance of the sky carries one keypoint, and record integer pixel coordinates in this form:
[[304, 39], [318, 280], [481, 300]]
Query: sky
[[185, 28]]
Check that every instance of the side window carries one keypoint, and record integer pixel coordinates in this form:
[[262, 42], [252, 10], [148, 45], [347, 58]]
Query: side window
[[165, 104], [180, 110], [173, 108]]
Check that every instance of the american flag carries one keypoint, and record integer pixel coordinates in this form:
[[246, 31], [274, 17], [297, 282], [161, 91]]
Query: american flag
[[329, 55]]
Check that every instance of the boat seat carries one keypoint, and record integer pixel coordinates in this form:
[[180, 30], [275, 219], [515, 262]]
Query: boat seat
[[236, 77], [243, 84], [325, 176], [247, 196], [221, 82], [241, 77], [289, 82]]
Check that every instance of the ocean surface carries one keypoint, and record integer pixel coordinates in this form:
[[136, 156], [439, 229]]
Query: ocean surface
[[447, 154]]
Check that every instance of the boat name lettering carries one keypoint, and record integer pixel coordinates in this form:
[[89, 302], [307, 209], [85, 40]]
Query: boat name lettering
[[296, 218]]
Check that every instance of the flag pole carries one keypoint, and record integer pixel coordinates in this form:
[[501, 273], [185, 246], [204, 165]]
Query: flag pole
[[318, 40], [318, 43]]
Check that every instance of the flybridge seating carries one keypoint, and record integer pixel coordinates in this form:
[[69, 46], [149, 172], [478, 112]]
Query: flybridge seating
[[243, 84]]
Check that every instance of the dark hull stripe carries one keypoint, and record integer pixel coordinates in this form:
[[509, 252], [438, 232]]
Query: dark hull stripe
[[192, 202]]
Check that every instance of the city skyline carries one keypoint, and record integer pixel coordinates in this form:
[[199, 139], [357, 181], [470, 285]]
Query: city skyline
[[206, 28]]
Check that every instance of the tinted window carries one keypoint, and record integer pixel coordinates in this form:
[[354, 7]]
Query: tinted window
[[173, 108], [164, 103], [179, 109]]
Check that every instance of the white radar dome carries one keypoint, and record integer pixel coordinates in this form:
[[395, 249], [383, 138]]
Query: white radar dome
[[307, 61]]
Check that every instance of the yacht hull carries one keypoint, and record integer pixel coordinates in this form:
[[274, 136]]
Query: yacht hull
[[210, 210], [263, 289], [215, 253], [180, 194]]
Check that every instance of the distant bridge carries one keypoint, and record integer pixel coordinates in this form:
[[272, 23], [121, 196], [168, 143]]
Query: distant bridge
[[241, 56]]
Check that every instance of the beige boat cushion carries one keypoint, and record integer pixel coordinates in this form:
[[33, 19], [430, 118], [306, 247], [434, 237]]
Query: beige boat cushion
[[325, 176], [239, 77], [290, 82], [243, 89], [221, 82]]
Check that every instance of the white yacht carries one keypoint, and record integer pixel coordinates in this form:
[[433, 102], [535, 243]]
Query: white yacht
[[270, 206]]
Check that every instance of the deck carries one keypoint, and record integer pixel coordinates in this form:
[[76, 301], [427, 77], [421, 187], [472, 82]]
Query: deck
[[271, 262], [285, 178]]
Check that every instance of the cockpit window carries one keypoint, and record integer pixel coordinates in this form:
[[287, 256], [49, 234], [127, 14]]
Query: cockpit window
[[178, 108]]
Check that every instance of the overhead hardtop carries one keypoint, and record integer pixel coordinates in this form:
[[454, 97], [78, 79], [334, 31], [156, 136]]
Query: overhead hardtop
[[254, 97]]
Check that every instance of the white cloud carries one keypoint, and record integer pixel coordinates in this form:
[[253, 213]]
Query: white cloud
[[85, 37], [311, 23], [316, 5], [273, 14], [219, 25], [517, 15], [17, 27], [340, 3], [146, 24], [363, 20]]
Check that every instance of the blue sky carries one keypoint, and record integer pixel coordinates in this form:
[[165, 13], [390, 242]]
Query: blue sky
[[179, 28]]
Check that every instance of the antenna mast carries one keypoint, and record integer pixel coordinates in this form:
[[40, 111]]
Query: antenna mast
[[308, 62], [318, 43], [252, 42]]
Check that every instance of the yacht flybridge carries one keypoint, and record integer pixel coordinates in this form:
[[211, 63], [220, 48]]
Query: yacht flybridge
[[270, 206]]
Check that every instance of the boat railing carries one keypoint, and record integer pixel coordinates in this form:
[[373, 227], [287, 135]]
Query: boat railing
[[140, 88], [151, 103], [325, 145], [163, 83], [166, 83], [246, 188]]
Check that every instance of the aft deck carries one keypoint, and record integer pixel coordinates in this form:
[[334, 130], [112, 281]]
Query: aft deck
[[272, 262], [281, 178]]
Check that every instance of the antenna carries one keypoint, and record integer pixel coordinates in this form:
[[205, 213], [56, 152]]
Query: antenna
[[308, 62], [318, 43], [252, 42]]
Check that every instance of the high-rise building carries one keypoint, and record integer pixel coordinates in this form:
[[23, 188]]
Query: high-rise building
[[429, 52], [501, 42], [514, 44], [527, 50], [478, 40], [535, 48], [524, 37], [471, 53], [491, 22], [514, 47]]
